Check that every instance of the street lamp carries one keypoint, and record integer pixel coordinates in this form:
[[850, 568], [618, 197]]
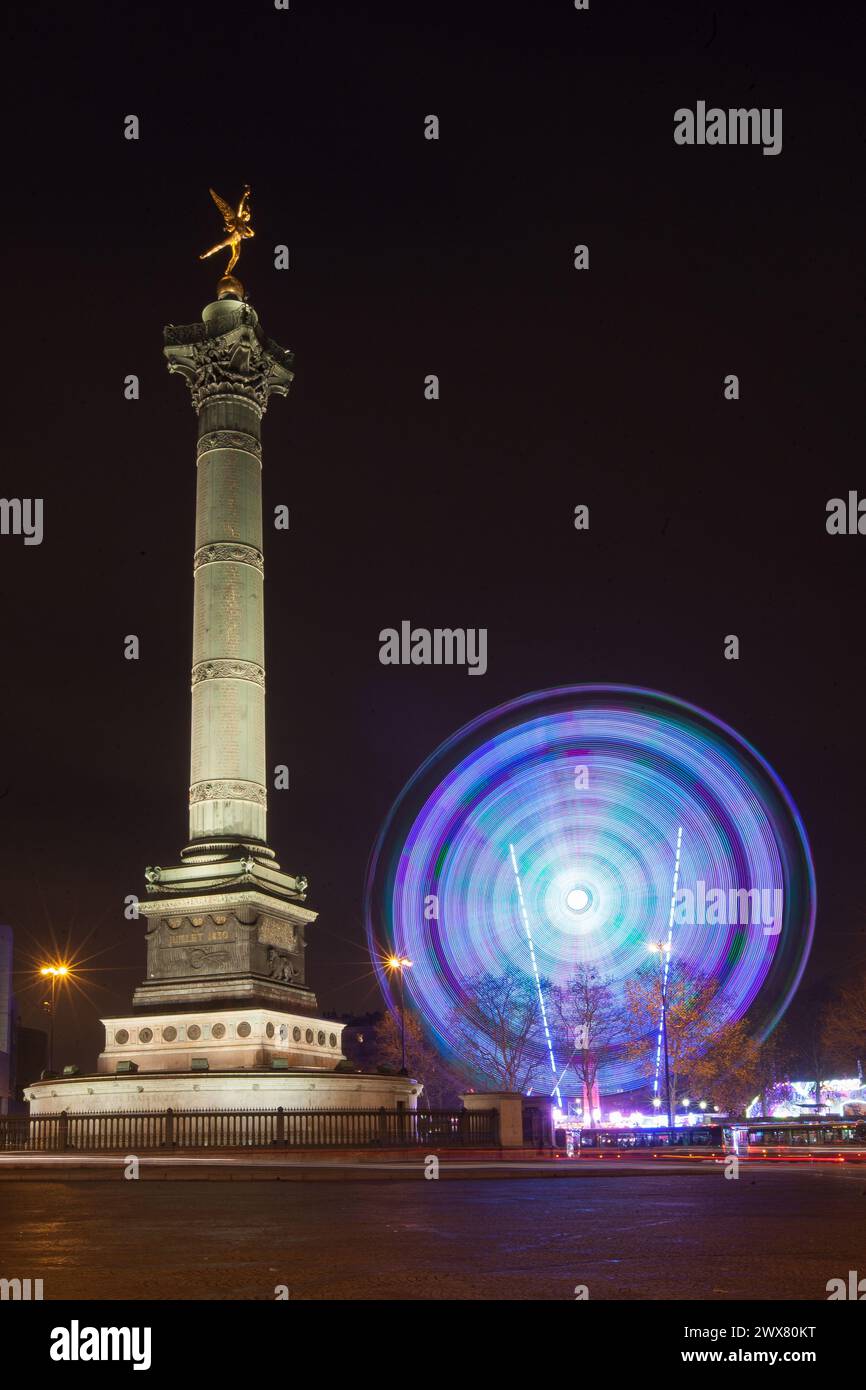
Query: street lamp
[[663, 949], [401, 963], [54, 973]]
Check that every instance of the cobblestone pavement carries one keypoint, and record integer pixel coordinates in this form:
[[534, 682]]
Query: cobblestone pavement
[[770, 1234]]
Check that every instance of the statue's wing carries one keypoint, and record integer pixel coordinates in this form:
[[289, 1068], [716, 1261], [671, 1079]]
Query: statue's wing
[[227, 211]]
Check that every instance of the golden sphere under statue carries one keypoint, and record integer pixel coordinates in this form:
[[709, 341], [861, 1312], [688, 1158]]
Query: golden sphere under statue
[[229, 287]]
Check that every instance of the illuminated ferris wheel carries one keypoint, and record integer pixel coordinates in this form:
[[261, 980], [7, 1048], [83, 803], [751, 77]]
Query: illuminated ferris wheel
[[573, 827]]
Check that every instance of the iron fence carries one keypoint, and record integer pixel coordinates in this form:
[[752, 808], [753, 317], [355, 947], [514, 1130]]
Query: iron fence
[[139, 1131]]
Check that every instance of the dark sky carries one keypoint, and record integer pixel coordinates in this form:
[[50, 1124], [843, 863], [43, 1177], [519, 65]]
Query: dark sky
[[558, 387]]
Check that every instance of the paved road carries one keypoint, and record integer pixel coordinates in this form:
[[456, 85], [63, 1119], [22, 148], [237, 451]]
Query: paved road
[[770, 1234]]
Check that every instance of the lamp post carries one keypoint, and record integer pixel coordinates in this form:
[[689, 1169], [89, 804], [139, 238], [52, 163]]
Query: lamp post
[[401, 963], [663, 949], [54, 973]]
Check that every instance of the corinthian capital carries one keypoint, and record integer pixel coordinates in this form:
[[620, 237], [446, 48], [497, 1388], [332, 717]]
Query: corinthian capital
[[228, 355]]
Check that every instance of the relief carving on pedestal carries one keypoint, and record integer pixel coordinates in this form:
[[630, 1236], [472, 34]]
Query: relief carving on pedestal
[[285, 935], [281, 967], [215, 943], [281, 949], [207, 957]]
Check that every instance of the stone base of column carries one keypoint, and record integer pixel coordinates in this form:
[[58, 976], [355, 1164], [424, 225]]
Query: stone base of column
[[227, 865], [225, 930], [188, 993], [218, 1039]]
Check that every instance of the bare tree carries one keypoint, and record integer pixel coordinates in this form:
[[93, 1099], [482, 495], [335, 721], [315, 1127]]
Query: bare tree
[[774, 1069], [441, 1085], [589, 1022], [497, 1029], [814, 1049], [844, 1032]]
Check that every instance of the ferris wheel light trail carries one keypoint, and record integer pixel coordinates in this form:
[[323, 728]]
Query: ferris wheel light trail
[[525, 917], [670, 941]]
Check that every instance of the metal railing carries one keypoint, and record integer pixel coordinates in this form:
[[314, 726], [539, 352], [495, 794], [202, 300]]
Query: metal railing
[[137, 1131]]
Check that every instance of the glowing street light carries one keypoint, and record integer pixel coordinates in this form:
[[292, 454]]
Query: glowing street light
[[401, 964], [54, 973]]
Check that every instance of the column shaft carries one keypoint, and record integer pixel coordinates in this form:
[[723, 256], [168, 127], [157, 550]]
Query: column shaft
[[232, 369], [227, 767]]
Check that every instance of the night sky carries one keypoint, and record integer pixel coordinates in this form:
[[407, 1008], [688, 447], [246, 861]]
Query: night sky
[[558, 387]]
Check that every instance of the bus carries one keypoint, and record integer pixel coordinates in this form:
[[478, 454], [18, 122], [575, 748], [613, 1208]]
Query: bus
[[794, 1140], [700, 1141]]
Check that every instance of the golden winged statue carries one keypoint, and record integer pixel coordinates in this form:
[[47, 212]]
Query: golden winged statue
[[237, 225]]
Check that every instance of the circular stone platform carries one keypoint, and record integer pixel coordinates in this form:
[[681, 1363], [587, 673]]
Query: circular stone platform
[[247, 1090]]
